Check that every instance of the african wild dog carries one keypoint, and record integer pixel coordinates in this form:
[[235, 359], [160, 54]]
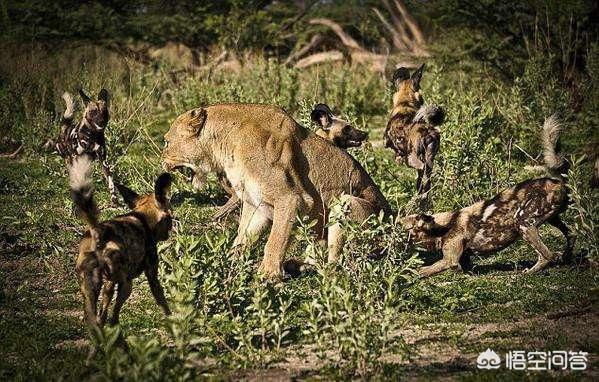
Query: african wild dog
[[87, 137], [491, 225], [114, 252], [412, 131], [334, 129]]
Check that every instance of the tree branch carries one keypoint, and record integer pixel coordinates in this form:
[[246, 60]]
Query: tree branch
[[346, 39]]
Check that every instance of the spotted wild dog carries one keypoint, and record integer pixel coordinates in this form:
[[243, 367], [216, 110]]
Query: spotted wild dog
[[87, 137], [491, 225], [278, 169], [337, 131], [114, 252], [332, 128], [412, 131]]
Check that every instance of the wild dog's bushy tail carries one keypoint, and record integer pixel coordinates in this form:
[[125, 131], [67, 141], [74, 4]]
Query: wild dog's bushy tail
[[69, 112], [431, 114], [82, 190], [555, 163]]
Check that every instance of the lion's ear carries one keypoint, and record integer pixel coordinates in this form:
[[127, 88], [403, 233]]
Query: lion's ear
[[197, 119]]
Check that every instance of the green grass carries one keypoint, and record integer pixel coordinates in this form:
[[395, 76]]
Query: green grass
[[361, 318]]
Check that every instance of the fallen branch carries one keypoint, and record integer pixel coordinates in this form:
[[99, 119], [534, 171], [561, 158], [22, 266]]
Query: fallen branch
[[318, 58], [316, 40]]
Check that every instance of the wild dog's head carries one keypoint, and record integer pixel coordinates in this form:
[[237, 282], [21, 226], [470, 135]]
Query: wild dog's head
[[183, 147], [423, 226], [96, 112], [155, 207], [338, 131], [407, 87]]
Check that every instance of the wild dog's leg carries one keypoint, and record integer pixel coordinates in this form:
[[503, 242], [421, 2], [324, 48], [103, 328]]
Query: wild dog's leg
[[123, 292], [423, 183], [466, 260], [107, 293], [253, 221], [151, 272], [86, 264], [531, 235], [108, 176], [227, 208], [414, 161], [285, 212], [452, 252], [359, 210], [423, 186], [569, 246]]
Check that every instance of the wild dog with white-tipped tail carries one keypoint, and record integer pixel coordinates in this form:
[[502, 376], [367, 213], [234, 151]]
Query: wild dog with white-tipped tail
[[494, 224], [87, 137], [114, 252]]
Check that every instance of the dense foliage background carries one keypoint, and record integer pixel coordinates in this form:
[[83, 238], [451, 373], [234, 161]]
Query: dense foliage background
[[498, 68]]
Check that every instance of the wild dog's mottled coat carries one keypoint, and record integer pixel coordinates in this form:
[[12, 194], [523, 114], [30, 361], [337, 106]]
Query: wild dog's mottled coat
[[488, 226], [87, 137], [412, 131], [114, 252]]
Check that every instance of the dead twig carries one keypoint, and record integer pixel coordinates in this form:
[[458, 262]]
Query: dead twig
[[14, 154]]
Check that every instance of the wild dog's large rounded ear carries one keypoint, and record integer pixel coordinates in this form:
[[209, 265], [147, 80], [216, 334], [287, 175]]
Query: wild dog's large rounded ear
[[162, 188], [400, 75], [197, 118], [425, 221], [416, 77], [322, 115], [103, 95], [84, 97], [128, 195]]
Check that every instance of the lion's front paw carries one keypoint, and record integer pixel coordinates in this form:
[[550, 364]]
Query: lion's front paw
[[270, 272]]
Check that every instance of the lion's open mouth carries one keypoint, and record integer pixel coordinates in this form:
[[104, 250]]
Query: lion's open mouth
[[195, 177], [186, 171]]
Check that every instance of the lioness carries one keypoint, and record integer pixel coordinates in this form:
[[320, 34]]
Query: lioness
[[276, 167], [334, 129]]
